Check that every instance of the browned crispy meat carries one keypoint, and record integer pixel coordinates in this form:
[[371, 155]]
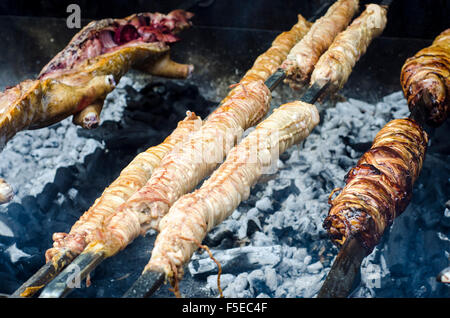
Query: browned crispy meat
[[379, 188], [425, 79], [83, 73], [111, 35], [90, 116], [336, 64]]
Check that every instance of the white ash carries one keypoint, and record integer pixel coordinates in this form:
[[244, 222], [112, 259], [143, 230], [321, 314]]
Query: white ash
[[282, 219]]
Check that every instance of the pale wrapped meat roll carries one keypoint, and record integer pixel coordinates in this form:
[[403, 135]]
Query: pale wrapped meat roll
[[268, 62], [336, 64], [196, 213], [182, 169]]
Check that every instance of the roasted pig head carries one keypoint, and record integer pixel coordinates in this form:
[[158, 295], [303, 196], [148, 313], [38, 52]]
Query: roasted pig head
[[77, 80]]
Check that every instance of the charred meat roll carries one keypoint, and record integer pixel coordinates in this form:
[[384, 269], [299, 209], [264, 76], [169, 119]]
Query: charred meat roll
[[379, 188], [425, 79], [84, 72]]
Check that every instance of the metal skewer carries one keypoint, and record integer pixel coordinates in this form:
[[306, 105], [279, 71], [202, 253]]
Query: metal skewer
[[88, 260], [146, 285], [346, 267], [341, 278]]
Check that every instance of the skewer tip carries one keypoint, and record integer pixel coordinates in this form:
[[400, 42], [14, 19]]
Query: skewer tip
[[315, 92], [275, 79]]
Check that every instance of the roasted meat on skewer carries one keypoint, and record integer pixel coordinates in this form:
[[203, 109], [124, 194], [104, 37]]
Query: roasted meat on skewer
[[91, 227], [300, 61], [243, 107], [182, 169], [267, 63], [77, 80], [89, 67], [131, 179], [67, 246], [39, 103], [147, 201], [425, 79], [379, 188], [6, 192], [336, 64]]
